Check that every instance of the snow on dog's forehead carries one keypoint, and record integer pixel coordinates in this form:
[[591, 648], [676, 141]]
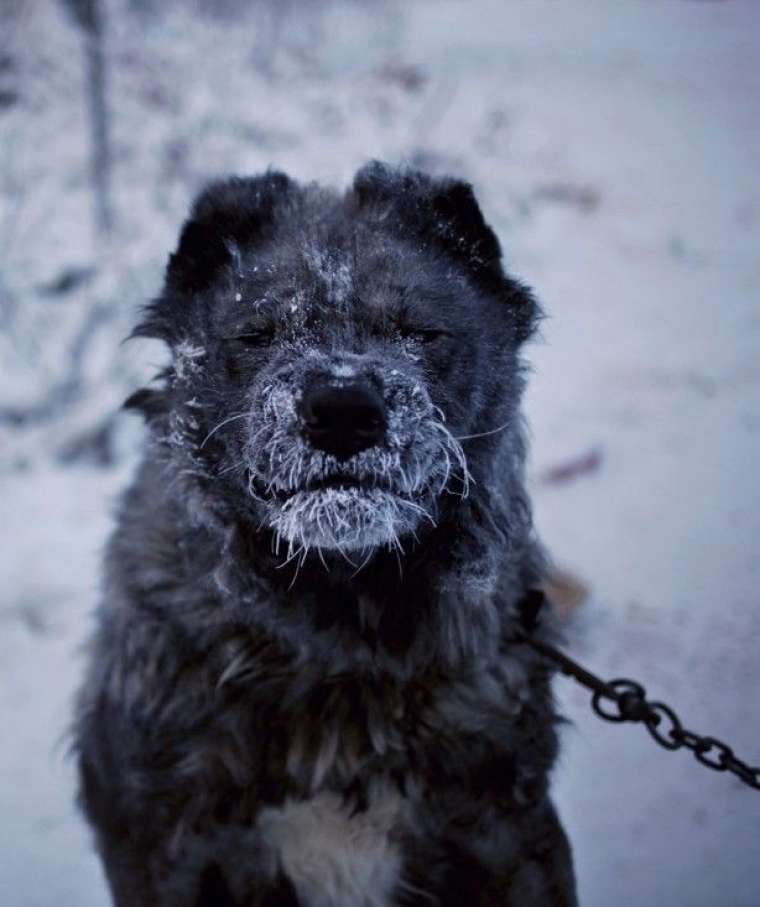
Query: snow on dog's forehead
[[287, 275], [306, 276], [333, 270]]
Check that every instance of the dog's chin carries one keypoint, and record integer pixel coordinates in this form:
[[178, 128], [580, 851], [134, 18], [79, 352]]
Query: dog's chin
[[344, 518]]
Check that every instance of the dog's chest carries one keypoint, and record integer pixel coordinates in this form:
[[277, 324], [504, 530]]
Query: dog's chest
[[335, 858]]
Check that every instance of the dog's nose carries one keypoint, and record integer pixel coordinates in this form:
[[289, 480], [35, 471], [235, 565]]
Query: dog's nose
[[342, 419]]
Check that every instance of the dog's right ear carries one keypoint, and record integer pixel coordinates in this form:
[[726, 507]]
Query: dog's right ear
[[227, 216], [229, 213]]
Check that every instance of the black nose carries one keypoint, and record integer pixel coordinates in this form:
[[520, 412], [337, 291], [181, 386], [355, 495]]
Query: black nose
[[343, 419]]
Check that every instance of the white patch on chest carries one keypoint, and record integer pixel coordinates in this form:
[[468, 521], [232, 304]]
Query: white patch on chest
[[335, 859]]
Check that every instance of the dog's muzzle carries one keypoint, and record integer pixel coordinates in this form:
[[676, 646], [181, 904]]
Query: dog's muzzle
[[339, 464]]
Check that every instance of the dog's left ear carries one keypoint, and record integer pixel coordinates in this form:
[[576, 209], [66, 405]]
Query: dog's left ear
[[443, 210], [445, 213]]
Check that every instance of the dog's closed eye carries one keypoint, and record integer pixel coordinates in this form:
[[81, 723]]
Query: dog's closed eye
[[258, 338], [424, 335]]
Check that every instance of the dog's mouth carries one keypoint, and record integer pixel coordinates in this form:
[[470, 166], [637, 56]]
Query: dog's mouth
[[336, 482], [342, 512], [339, 483]]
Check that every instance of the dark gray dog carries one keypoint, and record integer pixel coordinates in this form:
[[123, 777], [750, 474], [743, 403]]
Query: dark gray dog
[[304, 687]]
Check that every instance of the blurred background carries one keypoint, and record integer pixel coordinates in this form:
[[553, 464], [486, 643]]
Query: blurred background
[[616, 149]]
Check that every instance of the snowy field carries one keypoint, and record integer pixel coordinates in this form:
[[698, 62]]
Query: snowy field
[[616, 148]]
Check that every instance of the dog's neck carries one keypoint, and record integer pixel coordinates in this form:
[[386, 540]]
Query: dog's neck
[[446, 601]]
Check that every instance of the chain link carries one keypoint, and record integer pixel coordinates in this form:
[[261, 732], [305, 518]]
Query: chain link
[[625, 700]]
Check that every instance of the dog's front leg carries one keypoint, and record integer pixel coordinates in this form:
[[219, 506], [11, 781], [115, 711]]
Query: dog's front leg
[[498, 858], [526, 860]]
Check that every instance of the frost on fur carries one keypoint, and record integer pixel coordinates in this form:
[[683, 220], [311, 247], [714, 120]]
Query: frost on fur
[[345, 519], [376, 497]]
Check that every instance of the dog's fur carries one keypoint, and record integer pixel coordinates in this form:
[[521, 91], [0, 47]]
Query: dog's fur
[[303, 687]]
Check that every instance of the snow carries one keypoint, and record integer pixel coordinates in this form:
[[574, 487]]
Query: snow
[[614, 147]]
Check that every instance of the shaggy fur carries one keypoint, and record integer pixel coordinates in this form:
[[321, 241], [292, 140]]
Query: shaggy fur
[[303, 687]]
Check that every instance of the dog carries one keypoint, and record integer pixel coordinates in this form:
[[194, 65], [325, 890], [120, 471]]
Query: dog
[[304, 687]]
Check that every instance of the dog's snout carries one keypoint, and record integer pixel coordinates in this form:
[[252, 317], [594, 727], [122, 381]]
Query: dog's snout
[[342, 419]]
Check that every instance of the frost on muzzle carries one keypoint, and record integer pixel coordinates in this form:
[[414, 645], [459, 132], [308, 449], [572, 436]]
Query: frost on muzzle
[[350, 462]]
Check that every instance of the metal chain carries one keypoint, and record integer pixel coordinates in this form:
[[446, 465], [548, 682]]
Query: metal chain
[[630, 704], [625, 700]]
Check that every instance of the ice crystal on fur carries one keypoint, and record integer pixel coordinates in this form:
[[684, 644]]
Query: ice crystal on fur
[[187, 360]]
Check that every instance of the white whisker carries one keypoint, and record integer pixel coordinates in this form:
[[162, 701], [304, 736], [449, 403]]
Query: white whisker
[[221, 424], [484, 434], [229, 468]]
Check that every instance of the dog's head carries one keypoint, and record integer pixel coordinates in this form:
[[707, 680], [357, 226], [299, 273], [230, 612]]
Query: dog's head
[[334, 357]]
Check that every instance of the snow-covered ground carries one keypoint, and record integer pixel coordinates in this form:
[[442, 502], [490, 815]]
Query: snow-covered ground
[[616, 147]]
